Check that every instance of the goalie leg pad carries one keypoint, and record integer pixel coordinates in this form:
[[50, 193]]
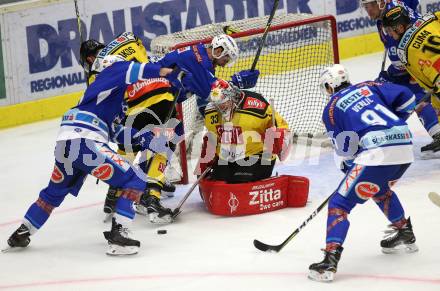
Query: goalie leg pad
[[254, 197]]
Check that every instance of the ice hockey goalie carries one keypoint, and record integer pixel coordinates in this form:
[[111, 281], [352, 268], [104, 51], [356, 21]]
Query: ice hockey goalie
[[240, 148]]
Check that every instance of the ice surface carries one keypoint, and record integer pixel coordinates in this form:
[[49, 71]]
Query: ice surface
[[206, 252]]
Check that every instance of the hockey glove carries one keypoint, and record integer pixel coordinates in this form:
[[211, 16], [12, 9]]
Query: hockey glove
[[394, 76], [144, 139], [177, 81], [245, 79]]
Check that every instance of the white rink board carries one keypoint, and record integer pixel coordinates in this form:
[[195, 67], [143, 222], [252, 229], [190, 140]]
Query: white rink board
[[206, 252]]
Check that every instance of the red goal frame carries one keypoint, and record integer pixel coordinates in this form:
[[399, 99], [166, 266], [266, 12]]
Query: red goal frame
[[296, 23]]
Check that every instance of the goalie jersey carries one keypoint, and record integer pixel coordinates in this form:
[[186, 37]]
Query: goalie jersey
[[243, 136], [419, 50], [366, 122]]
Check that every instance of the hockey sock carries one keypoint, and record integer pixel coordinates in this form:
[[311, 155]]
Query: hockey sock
[[124, 207], [38, 213], [390, 206], [337, 226], [429, 120]]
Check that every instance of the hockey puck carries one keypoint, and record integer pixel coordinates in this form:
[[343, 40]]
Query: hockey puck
[[162, 231]]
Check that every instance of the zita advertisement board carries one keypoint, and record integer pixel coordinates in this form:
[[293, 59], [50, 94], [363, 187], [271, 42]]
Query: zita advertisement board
[[41, 40]]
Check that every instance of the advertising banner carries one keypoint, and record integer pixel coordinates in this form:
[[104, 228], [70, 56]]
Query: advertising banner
[[41, 42]]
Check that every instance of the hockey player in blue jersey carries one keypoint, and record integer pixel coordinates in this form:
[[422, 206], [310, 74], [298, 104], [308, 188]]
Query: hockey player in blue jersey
[[366, 123], [201, 60], [396, 72], [82, 149]]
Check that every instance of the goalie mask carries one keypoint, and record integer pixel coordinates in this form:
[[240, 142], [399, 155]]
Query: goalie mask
[[333, 77], [225, 97], [229, 46]]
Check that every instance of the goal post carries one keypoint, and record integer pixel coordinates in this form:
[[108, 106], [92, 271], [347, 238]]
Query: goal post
[[296, 50]]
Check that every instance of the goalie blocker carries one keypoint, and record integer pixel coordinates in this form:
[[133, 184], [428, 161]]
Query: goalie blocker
[[262, 196]]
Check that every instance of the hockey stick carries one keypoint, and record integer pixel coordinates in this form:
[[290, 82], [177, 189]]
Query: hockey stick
[[276, 248], [177, 211], [435, 198], [78, 19], [385, 54], [272, 103], [266, 31]]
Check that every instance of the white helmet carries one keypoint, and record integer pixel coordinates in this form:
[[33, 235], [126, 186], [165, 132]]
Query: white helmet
[[229, 46], [381, 3], [225, 97], [333, 77]]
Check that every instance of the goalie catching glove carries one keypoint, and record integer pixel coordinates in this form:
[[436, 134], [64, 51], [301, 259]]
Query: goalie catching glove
[[245, 79]]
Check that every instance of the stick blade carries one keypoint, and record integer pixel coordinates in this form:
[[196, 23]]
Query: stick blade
[[435, 198], [266, 248]]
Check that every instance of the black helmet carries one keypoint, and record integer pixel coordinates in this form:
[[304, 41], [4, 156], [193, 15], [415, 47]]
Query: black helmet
[[395, 16], [89, 48]]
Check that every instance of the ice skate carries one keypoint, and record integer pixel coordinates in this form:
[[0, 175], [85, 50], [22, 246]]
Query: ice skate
[[168, 189], [325, 270], [150, 205], [399, 240], [19, 239], [119, 243], [432, 150]]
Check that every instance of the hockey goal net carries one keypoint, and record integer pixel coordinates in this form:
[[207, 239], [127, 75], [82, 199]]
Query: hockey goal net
[[297, 48]]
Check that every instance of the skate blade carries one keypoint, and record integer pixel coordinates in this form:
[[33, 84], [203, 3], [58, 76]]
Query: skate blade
[[6, 249], [116, 250], [430, 155], [154, 218], [325, 277], [165, 195], [435, 198], [12, 249], [400, 249]]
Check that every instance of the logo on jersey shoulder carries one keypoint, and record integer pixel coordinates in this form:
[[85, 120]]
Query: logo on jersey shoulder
[[125, 53], [122, 39], [366, 190], [254, 103], [103, 172], [352, 97], [230, 134], [57, 176]]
